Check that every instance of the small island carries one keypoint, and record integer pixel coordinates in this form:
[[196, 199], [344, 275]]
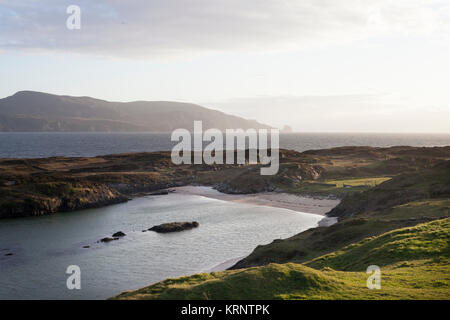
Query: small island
[[174, 227]]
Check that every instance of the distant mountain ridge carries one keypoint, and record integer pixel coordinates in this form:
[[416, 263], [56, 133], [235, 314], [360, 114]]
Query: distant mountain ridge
[[37, 111]]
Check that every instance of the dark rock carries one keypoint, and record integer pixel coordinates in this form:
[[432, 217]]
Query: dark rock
[[9, 254], [119, 234], [107, 239], [86, 246], [159, 193], [174, 227]]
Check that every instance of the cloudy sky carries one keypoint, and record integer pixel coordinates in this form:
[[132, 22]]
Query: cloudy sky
[[316, 65]]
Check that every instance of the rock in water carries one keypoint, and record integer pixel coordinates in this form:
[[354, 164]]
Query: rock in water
[[108, 239], [174, 226], [119, 234]]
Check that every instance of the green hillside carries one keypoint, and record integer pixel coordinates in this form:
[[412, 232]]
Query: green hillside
[[414, 265], [423, 242], [405, 200]]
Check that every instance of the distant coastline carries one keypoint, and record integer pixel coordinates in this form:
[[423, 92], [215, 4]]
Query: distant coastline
[[92, 144]]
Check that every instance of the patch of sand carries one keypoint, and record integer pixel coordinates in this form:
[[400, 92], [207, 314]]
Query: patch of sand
[[271, 199]]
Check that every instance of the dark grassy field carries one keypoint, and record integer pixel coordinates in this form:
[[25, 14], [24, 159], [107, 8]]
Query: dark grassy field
[[46, 186]]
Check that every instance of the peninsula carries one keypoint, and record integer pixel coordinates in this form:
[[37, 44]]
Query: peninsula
[[394, 213]]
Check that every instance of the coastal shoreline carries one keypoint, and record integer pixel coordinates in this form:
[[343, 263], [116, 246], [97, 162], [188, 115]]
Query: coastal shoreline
[[36, 187], [297, 203], [319, 206], [224, 265]]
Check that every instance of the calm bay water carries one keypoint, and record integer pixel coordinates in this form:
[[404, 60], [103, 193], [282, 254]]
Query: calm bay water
[[49, 144], [43, 247]]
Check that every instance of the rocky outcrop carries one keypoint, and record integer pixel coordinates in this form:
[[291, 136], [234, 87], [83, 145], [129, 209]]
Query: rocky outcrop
[[119, 234], [65, 198], [162, 192], [174, 227], [147, 188], [108, 239]]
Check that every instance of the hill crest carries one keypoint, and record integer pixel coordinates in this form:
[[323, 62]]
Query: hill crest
[[38, 111]]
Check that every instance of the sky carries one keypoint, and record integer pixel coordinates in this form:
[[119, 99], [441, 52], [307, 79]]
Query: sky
[[315, 65]]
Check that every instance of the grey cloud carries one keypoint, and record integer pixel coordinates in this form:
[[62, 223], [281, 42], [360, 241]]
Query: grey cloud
[[164, 27]]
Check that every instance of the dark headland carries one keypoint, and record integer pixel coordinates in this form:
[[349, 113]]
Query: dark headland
[[33, 111]]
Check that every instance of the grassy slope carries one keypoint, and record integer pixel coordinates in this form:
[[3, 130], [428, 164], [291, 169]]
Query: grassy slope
[[318, 241], [425, 241], [296, 281], [425, 184], [405, 200], [414, 263]]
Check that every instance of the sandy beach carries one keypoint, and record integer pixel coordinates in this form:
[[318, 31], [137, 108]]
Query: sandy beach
[[271, 199]]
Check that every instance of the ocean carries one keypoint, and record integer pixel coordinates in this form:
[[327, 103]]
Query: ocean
[[50, 144]]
